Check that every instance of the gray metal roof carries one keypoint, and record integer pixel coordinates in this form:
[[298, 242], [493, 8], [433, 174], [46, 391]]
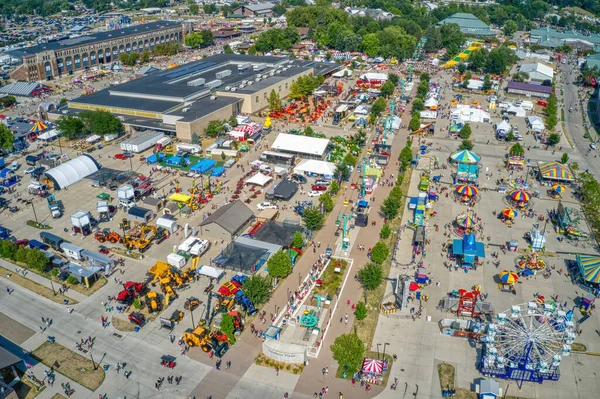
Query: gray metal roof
[[469, 24], [94, 37], [7, 359], [20, 88], [489, 386], [231, 217]]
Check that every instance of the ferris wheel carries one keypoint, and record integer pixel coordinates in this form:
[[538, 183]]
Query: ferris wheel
[[527, 343]]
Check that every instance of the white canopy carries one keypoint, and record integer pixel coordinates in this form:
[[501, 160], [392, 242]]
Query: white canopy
[[292, 143], [210, 271], [93, 138], [431, 102], [72, 171], [374, 76], [259, 179], [503, 126], [517, 111], [535, 123], [396, 122], [49, 135], [314, 166], [464, 114], [342, 73]]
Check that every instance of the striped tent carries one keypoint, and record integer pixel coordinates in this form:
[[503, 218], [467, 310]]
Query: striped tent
[[38, 127], [589, 267], [555, 171]]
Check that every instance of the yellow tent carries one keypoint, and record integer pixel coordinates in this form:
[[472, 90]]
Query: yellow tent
[[178, 197]]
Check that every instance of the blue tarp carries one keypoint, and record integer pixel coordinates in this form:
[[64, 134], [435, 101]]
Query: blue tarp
[[218, 171], [155, 158], [5, 172], [176, 161], [203, 166]]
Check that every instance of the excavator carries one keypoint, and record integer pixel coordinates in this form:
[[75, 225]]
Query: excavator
[[107, 235], [153, 302], [191, 303], [131, 242]]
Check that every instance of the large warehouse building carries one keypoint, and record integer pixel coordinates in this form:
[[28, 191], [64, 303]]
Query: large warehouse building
[[183, 100], [53, 59], [469, 25]]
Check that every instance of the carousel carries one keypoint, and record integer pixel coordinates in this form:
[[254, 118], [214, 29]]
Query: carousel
[[520, 199], [507, 280], [465, 223], [508, 215], [467, 193], [530, 262]]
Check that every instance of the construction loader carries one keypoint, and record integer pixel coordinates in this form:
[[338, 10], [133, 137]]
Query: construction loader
[[191, 304], [106, 235], [153, 302]]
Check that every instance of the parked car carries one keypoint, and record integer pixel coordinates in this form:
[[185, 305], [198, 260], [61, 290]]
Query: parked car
[[29, 170], [299, 210], [315, 193], [123, 155], [316, 187], [323, 182], [299, 178], [266, 205]]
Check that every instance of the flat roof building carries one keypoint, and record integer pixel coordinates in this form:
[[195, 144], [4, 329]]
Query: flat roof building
[[255, 10], [469, 24], [53, 59], [528, 89], [182, 101], [550, 37], [306, 147], [537, 71]]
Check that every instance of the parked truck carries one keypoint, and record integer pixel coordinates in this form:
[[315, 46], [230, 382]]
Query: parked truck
[[142, 141], [56, 207]]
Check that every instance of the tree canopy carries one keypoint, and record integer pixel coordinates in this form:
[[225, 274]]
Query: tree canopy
[[272, 39], [101, 122], [7, 138], [258, 289], [380, 252], [371, 276], [70, 127], [279, 265], [194, 40], [348, 351], [313, 219]]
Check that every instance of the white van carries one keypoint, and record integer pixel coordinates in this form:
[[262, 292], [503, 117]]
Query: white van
[[191, 148]]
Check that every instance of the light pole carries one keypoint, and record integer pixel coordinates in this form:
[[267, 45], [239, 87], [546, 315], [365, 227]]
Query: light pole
[[299, 278], [378, 351], [192, 313], [384, 345], [30, 202], [52, 285]]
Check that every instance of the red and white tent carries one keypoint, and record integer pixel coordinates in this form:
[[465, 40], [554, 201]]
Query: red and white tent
[[372, 366]]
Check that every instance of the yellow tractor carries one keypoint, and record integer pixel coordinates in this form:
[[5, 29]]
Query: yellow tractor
[[131, 242], [153, 302], [191, 303], [224, 304], [125, 224]]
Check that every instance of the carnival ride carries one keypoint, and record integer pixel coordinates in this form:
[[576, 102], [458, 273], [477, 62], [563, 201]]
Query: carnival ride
[[345, 228], [520, 198], [527, 343], [531, 262], [507, 280], [465, 223]]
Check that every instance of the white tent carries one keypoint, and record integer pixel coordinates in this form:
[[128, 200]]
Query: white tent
[[362, 109], [93, 138], [210, 271], [72, 171], [431, 102], [342, 73], [516, 111], [396, 122], [504, 127], [535, 123], [167, 223], [308, 146], [464, 114], [374, 76], [312, 166], [49, 135], [259, 179], [475, 84]]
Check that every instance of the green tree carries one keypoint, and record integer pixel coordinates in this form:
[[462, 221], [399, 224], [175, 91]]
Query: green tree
[[313, 219], [274, 101], [349, 159], [406, 156], [371, 276], [465, 132], [564, 159], [487, 83], [415, 123], [328, 204], [418, 105], [521, 77], [227, 327], [214, 128], [461, 68], [478, 59], [194, 40], [394, 78], [387, 89], [348, 351], [553, 139], [129, 59], [210, 8], [145, 57], [380, 252], [36, 259], [361, 311], [70, 127], [385, 232], [334, 187], [194, 9], [298, 241], [517, 150], [101, 122], [390, 208], [510, 27], [342, 170], [227, 49], [378, 106], [252, 50], [258, 289], [8, 101], [7, 138], [466, 145], [233, 122]]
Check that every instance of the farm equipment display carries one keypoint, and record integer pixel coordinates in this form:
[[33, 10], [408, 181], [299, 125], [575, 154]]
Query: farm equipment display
[[191, 303], [105, 235], [137, 318], [153, 302], [176, 316], [131, 290]]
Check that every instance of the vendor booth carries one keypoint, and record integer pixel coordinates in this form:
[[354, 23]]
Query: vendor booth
[[469, 250]]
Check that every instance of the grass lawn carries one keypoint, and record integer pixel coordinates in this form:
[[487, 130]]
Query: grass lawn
[[70, 364], [446, 373], [577, 347], [332, 279], [366, 328], [35, 287], [58, 396], [122, 324]]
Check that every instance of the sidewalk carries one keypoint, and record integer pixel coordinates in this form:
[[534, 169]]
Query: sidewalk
[[42, 280]]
